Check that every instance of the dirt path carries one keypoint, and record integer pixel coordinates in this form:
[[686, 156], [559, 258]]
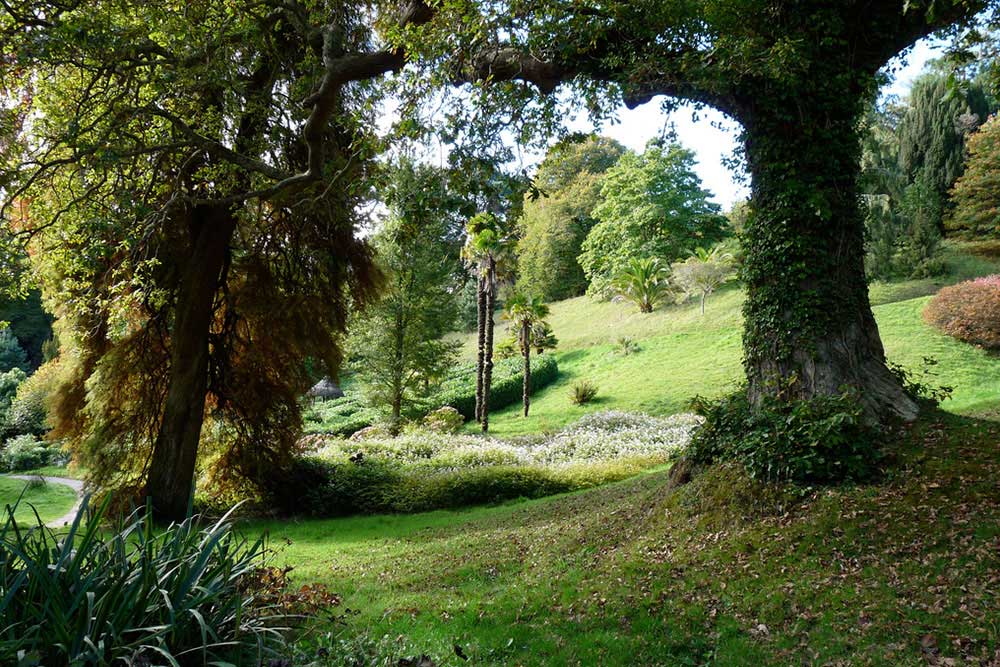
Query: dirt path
[[74, 484]]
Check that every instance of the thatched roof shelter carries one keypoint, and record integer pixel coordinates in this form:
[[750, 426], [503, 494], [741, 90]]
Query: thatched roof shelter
[[325, 389]]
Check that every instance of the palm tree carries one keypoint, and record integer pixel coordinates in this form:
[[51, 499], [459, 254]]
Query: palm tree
[[488, 251], [526, 316], [645, 282]]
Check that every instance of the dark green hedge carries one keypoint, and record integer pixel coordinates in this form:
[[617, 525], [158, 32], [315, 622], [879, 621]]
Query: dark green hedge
[[347, 415], [314, 487], [506, 389]]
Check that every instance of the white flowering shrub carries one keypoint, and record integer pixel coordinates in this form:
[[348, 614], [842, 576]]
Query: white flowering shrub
[[599, 437], [611, 436], [421, 470]]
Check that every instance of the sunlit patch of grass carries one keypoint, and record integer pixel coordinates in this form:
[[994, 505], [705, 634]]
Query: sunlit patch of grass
[[51, 501], [683, 354]]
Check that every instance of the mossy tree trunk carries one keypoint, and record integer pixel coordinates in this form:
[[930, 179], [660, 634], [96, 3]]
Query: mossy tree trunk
[[809, 327]]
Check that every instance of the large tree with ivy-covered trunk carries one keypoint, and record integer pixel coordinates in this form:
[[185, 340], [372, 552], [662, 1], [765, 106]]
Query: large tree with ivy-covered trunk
[[797, 75]]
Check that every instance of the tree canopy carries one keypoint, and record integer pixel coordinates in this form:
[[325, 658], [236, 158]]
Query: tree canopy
[[554, 225], [976, 195], [397, 344], [941, 113], [652, 206]]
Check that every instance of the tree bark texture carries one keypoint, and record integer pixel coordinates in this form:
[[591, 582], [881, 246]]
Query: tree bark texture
[[480, 343], [172, 466], [491, 295]]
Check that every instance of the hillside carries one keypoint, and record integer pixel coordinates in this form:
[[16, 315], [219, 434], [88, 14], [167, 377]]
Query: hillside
[[720, 572], [684, 354]]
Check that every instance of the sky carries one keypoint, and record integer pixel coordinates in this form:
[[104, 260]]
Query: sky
[[712, 136]]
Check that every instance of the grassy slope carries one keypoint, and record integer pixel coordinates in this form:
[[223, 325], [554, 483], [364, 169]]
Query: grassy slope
[[630, 574], [685, 354], [51, 501], [721, 572]]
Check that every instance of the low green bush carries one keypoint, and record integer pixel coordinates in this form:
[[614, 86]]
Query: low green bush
[[423, 470], [376, 487], [507, 386], [26, 452], [444, 420], [583, 392], [348, 415], [341, 416], [126, 594], [823, 439]]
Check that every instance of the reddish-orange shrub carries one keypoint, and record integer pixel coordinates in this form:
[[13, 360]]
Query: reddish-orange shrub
[[968, 311]]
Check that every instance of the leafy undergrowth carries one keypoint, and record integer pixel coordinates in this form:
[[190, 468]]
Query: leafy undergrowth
[[721, 571], [423, 470]]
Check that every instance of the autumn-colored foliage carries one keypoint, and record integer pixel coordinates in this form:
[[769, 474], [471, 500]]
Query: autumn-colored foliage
[[976, 195], [969, 311]]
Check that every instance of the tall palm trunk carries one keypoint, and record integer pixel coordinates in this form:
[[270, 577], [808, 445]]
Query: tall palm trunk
[[491, 292], [526, 347], [397, 375], [172, 467], [480, 343]]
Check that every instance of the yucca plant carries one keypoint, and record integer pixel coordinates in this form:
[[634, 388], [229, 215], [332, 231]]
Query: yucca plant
[[128, 593], [583, 392], [644, 282]]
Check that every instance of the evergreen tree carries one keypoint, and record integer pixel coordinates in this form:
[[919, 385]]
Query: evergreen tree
[[554, 226], [12, 355], [397, 344], [942, 112]]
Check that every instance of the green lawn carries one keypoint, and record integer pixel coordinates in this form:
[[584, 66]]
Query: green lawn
[[684, 354], [51, 501], [720, 572]]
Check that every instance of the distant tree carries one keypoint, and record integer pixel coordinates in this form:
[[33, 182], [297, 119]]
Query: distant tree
[[12, 355], [903, 212], [923, 209], [942, 112], [10, 380], [644, 282], [702, 273], [30, 323], [526, 314], [488, 249], [554, 226], [397, 344], [652, 205], [882, 182], [976, 195]]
